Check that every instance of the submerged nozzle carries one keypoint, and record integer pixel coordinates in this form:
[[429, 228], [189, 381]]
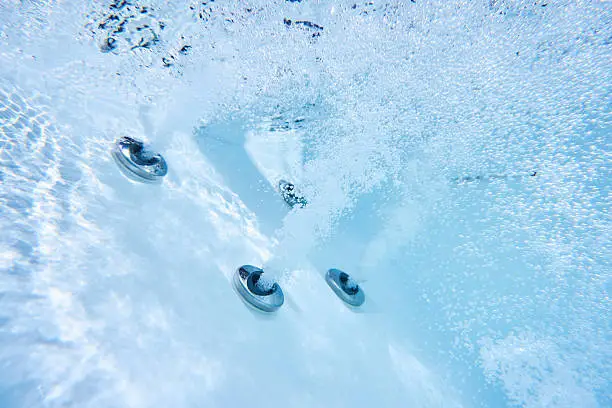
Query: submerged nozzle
[[256, 290], [137, 162], [345, 287], [291, 196]]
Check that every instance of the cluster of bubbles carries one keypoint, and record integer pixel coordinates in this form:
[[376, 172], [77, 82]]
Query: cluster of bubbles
[[412, 94]]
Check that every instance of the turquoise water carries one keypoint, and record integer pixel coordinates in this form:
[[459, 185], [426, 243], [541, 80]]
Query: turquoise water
[[479, 294]]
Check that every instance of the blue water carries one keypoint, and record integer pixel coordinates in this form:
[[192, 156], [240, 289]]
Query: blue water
[[478, 294]]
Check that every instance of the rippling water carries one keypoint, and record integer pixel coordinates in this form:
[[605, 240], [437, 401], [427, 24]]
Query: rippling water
[[456, 157]]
